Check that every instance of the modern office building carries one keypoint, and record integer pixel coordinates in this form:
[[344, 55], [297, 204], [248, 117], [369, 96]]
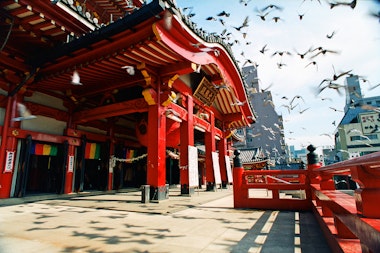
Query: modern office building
[[268, 131], [358, 133]]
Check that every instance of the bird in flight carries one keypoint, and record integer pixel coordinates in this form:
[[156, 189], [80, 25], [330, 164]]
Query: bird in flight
[[329, 36], [245, 2], [324, 52], [264, 49], [300, 16], [272, 7], [263, 15], [336, 77], [296, 97], [75, 78], [245, 24], [130, 70], [302, 55], [23, 112], [334, 109], [222, 86], [276, 19], [223, 13], [281, 53], [312, 63], [351, 4], [303, 110], [238, 103]]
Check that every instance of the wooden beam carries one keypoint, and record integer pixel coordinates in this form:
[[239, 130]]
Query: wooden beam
[[113, 110]]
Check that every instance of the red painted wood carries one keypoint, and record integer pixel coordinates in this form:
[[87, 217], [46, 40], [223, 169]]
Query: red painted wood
[[239, 194], [107, 111], [156, 167], [222, 148], [210, 146], [187, 139], [178, 40], [6, 178], [69, 174]]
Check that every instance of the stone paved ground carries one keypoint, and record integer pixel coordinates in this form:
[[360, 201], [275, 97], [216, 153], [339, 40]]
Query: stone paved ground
[[119, 222]]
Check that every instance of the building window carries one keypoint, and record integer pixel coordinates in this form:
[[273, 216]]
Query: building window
[[372, 136], [363, 138]]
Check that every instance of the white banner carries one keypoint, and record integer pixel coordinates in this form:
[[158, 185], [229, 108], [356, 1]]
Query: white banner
[[71, 164], [193, 166], [9, 160], [228, 168], [215, 165]]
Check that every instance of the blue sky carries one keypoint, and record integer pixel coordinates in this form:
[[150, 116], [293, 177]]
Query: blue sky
[[354, 45]]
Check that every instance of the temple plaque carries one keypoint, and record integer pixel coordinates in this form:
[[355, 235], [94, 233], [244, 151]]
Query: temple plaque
[[206, 92]]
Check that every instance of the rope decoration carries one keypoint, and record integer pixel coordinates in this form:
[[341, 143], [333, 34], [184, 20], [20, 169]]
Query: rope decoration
[[114, 159]]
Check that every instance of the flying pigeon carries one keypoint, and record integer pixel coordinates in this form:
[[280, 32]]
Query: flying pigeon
[[75, 78], [130, 70], [24, 113]]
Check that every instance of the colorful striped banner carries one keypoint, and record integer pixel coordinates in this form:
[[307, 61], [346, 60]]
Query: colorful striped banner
[[130, 154], [92, 151], [44, 149]]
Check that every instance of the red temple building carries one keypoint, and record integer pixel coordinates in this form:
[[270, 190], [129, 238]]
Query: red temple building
[[103, 94]]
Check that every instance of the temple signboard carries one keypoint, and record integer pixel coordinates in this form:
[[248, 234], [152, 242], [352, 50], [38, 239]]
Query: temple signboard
[[206, 92]]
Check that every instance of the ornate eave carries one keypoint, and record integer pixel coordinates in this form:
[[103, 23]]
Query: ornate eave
[[139, 39]]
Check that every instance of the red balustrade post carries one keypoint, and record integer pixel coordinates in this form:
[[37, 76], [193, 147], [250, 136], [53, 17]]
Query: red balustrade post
[[237, 174], [325, 181], [368, 195]]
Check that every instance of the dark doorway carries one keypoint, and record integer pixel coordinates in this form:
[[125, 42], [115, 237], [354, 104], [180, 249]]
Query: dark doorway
[[45, 174], [95, 175], [41, 168]]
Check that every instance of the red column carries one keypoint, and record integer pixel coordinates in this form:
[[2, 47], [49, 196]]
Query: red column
[[112, 153], [70, 170], [156, 167], [187, 139], [222, 147], [110, 169], [7, 144], [210, 147]]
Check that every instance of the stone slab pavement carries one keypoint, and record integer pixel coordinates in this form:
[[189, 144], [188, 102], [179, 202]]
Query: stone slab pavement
[[118, 222]]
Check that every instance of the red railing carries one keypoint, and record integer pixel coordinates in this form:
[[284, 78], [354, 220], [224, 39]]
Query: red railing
[[350, 220], [272, 189]]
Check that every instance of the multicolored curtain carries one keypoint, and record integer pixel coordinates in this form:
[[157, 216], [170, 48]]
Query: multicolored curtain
[[44, 149], [92, 151]]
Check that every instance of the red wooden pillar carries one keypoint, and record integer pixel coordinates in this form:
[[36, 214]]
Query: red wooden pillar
[[210, 147], [368, 195], [186, 139], [156, 167], [112, 153], [8, 144], [222, 147], [69, 170], [71, 159], [110, 168]]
